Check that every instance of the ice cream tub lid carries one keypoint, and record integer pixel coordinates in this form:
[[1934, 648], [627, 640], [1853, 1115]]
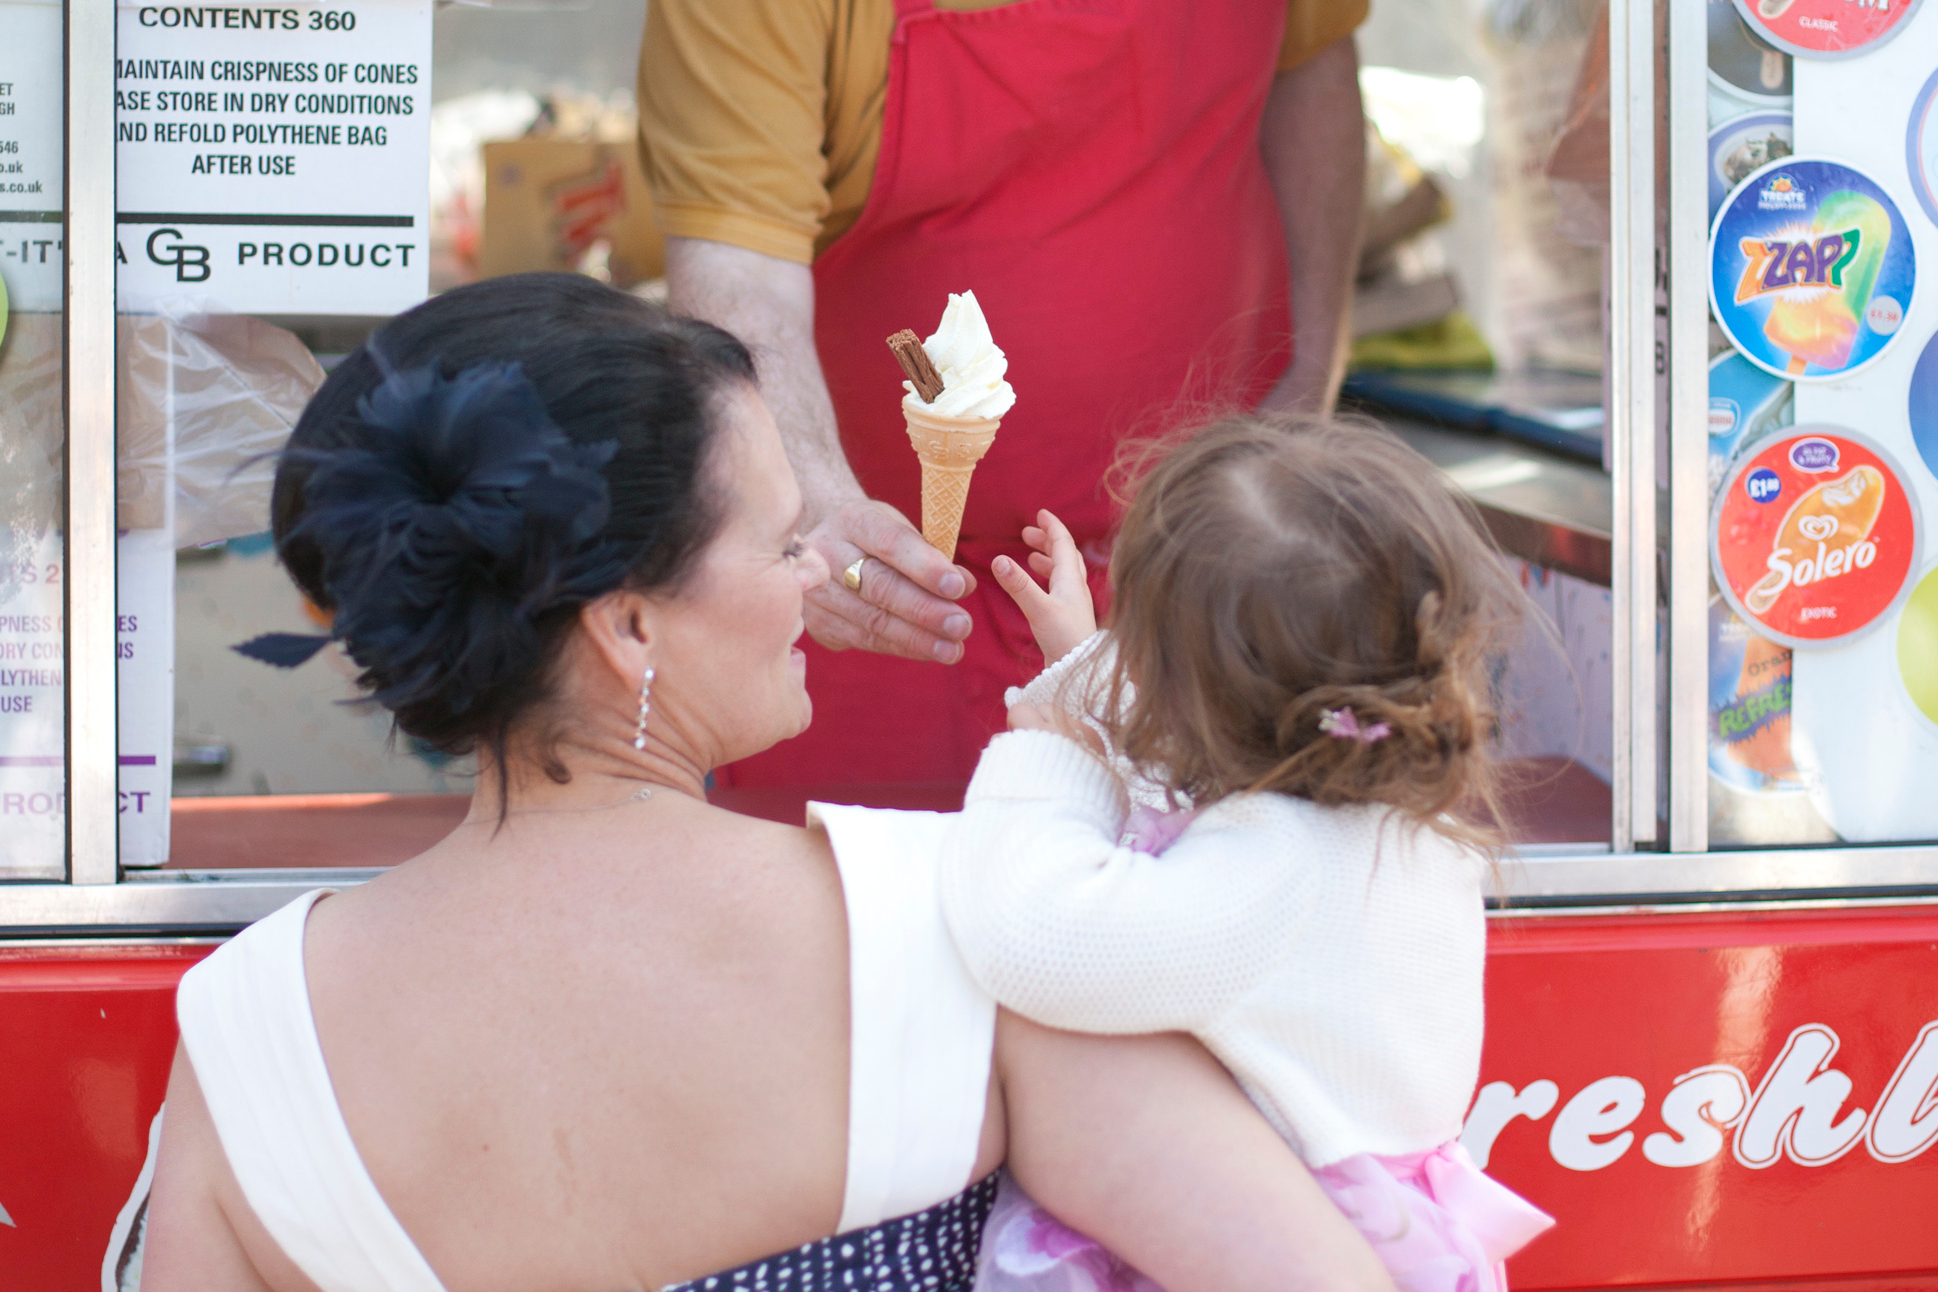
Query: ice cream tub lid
[[1743, 64], [1749, 707], [1812, 270], [1827, 28], [1745, 144], [1924, 405], [1918, 648], [1921, 147], [1814, 536]]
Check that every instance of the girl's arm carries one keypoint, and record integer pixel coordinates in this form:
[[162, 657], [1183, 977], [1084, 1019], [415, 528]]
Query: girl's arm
[[1059, 922], [1148, 1146]]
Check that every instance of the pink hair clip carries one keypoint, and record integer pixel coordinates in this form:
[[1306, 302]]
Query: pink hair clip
[[1343, 724]]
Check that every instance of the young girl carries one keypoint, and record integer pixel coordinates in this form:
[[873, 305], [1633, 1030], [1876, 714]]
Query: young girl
[[1258, 810]]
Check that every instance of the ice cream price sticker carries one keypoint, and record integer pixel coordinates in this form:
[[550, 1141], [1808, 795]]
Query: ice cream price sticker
[[1815, 536], [1827, 28], [274, 158], [1811, 269]]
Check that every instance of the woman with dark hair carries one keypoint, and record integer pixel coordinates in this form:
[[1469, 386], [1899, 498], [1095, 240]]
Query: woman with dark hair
[[604, 1035]]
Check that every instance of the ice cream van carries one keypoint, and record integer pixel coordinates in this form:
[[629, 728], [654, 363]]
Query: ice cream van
[[1656, 312]]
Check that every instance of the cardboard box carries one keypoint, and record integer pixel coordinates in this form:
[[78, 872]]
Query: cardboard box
[[549, 202]]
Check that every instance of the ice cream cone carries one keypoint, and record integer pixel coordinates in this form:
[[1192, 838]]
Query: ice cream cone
[[949, 448]]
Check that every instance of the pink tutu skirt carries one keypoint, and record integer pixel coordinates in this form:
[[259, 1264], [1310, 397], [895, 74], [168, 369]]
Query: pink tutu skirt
[[1437, 1222]]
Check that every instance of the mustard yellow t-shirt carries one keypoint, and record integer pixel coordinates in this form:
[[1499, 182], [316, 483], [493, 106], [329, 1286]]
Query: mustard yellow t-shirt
[[760, 120]]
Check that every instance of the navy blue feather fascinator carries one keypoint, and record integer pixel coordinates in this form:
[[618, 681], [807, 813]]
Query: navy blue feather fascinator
[[458, 517]]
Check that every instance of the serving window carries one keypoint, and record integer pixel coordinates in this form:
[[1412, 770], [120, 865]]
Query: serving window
[[272, 180]]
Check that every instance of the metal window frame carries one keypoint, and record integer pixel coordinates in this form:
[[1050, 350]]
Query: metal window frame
[[1631, 417], [93, 800], [1629, 875], [1688, 356]]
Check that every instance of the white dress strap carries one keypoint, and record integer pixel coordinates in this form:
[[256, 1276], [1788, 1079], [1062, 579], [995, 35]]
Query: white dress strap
[[246, 1022], [922, 1031]]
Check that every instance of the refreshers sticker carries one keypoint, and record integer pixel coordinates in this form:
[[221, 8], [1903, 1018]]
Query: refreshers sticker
[[1827, 28], [1811, 269], [1815, 536]]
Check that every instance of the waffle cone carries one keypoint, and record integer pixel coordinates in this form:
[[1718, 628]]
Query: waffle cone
[[948, 448]]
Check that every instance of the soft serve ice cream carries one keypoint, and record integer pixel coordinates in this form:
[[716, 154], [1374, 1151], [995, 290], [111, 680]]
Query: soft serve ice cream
[[956, 399], [972, 366]]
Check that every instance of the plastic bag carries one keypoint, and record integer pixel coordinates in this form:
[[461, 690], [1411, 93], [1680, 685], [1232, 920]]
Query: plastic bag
[[233, 387], [233, 384], [30, 433], [1578, 166]]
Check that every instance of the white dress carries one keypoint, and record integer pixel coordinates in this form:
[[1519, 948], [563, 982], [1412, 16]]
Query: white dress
[[922, 1035]]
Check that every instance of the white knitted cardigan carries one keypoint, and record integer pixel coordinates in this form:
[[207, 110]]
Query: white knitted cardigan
[[1330, 957]]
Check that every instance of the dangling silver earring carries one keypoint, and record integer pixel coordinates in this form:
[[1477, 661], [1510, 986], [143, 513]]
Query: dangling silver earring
[[645, 706]]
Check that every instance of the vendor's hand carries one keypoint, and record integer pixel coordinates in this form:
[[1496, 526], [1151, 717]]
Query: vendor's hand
[[906, 605], [1064, 616]]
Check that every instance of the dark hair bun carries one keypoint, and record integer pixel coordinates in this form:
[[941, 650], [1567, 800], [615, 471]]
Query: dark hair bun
[[463, 518], [485, 465]]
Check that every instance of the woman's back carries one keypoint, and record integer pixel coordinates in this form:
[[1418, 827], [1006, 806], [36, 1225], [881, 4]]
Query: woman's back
[[626, 1028], [593, 1027]]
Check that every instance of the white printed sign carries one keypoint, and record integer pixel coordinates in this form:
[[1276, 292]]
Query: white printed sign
[[33, 801], [33, 726], [145, 690], [30, 154], [274, 158]]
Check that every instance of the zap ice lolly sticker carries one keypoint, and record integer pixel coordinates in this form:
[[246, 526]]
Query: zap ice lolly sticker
[[1812, 269]]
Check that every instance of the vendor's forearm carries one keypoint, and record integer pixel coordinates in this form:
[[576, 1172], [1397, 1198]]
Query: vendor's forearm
[[1313, 139], [769, 304]]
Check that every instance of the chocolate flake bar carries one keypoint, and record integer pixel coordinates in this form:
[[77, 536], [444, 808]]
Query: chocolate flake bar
[[916, 363]]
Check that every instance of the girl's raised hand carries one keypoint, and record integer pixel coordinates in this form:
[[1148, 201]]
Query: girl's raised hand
[[1062, 617]]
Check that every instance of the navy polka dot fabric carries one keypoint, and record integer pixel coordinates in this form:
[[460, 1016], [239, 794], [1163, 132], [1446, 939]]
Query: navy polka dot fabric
[[930, 1251]]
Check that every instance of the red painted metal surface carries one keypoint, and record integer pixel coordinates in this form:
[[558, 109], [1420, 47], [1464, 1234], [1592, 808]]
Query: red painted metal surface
[[1815, 1012], [1611, 1011], [86, 1036]]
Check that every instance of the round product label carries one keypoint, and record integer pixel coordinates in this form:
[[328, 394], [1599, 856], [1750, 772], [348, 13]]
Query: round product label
[[1743, 145], [1827, 28], [1924, 405], [1741, 61], [1749, 707], [1921, 147], [1918, 646], [1811, 269], [1815, 536], [1745, 405]]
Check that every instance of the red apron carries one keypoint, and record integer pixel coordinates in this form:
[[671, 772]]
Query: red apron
[[1091, 169]]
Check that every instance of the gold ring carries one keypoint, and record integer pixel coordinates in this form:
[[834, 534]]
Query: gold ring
[[852, 575]]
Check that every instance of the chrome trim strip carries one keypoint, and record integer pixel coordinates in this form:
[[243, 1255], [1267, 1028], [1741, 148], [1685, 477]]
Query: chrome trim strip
[[1631, 414], [93, 821], [1562, 881], [1688, 431], [1804, 874], [172, 903]]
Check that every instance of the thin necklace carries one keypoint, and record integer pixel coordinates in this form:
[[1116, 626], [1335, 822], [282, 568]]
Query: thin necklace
[[640, 795]]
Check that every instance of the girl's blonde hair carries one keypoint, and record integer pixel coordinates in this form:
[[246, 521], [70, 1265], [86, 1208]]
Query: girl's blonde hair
[[1273, 569]]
